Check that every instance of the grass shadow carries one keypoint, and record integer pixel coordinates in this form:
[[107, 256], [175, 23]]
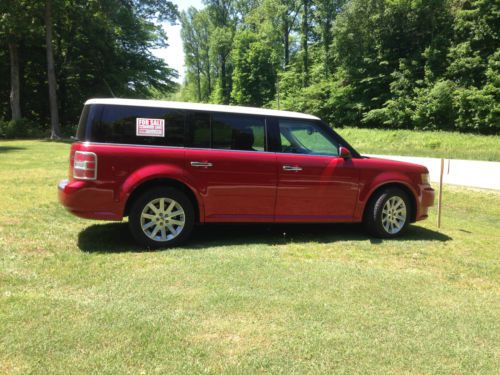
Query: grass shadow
[[115, 237], [11, 148], [59, 140]]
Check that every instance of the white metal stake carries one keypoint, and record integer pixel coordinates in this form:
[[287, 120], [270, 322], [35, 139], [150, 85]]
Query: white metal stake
[[440, 203]]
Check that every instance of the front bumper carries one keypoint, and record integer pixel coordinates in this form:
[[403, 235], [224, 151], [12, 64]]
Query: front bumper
[[88, 200], [426, 200]]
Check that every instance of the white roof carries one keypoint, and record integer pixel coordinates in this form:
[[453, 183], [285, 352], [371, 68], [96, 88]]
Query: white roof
[[202, 107]]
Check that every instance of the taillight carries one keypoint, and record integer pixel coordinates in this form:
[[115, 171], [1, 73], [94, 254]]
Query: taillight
[[85, 165]]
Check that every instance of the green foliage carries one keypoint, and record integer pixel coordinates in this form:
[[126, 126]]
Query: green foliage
[[102, 48], [476, 110], [426, 64], [435, 108], [254, 74]]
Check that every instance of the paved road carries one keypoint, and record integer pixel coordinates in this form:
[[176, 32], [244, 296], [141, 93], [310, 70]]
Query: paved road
[[481, 174]]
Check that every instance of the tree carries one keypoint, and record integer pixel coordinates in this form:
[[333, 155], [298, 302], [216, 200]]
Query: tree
[[202, 24], [195, 35], [476, 36], [305, 42], [17, 22], [223, 15], [192, 49], [429, 64], [254, 74], [325, 13], [289, 14], [98, 47], [54, 111]]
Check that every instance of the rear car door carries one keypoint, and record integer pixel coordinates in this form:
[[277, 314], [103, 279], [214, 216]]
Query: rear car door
[[314, 183], [228, 161]]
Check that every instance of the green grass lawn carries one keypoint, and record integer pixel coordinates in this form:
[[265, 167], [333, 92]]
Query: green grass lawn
[[449, 145], [78, 296]]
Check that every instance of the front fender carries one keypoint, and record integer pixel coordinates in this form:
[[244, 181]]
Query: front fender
[[384, 178]]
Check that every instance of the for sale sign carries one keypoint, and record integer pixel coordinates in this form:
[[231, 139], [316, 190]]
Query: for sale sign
[[150, 127]]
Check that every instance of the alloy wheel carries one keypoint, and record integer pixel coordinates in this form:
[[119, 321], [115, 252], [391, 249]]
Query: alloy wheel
[[162, 219], [394, 215]]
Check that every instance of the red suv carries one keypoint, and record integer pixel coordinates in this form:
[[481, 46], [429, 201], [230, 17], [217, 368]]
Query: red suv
[[168, 166]]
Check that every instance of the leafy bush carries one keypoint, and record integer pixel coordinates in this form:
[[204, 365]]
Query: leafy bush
[[477, 110], [23, 128], [434, 107]]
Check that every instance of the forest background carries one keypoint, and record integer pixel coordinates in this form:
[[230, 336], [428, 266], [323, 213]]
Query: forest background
[[399, 64]]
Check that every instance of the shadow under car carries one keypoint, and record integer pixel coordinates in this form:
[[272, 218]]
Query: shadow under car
[[115, 237]]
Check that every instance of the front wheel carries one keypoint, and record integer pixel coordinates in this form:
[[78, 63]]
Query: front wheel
[[387, 214], [161, 217]]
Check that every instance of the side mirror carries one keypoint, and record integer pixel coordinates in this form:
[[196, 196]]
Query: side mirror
[[344, 153]]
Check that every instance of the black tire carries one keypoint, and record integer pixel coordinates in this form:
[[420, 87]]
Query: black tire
[[152, 195], [373, 218]]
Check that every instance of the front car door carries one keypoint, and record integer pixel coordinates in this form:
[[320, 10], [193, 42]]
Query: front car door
[[230, 167], [314, 183]]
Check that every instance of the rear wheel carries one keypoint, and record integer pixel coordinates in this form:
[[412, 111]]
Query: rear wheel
[[388, 212], [161, 217]]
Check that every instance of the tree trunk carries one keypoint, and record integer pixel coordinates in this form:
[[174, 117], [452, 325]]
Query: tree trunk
[[223, 77], [15, 89], [51, 75], [305, 37], [286, 40], [209, 79], [327, 40], [198, 80]]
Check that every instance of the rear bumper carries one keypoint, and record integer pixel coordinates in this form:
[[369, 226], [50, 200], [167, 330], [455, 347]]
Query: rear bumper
[[89, 200], [426, 200]]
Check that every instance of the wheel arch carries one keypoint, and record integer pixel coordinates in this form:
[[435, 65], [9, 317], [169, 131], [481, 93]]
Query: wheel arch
[[162, 181], [399, 185]]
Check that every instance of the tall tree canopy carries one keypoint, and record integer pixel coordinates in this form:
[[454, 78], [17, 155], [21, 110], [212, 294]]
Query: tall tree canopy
[[429, 64], [100, 48]]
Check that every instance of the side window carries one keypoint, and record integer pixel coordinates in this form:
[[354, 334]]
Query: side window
[[198, 125], [238, 132], [306, 137], [140, 125]]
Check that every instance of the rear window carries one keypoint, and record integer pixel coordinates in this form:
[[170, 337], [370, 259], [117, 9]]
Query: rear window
[[139, 125]]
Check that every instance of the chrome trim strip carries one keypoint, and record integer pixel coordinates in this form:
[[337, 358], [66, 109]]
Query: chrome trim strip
[[88, 143], [201, 164], [292, 168]]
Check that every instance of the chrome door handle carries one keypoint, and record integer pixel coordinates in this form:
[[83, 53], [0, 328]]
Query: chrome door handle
[[292, 168], [204, 164]]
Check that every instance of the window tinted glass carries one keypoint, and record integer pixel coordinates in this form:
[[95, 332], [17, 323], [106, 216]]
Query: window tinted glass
[[238, 132], [198, 129], [304, 137], [140, 125], [82, 124]]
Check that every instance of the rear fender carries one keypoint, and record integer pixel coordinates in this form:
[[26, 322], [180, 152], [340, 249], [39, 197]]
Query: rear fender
[[154, 172]]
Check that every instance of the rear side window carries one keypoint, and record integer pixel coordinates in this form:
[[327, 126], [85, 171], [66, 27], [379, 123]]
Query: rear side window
[[238, 132], [198, 129], [139, 125]]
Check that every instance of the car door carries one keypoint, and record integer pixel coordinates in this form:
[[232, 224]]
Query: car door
[[314, 183], [230, 166]]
